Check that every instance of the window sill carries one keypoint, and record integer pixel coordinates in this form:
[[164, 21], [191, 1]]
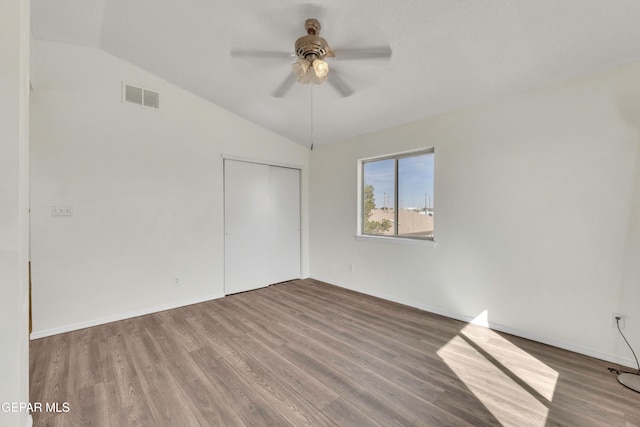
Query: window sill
[[396, 240]]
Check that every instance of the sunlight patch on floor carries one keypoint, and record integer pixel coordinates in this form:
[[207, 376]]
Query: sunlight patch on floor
[[527, 368], [509, 382]]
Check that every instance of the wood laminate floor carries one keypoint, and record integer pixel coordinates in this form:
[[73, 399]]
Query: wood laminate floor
[[307, 353]]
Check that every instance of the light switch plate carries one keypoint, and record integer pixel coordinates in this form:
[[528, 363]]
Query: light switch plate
[[61, 211]]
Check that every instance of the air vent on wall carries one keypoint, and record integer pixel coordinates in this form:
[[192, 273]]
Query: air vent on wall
[[141, 96]]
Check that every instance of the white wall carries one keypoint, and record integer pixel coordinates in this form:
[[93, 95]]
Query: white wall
[[14, 209], [536, 202], [146, 187]]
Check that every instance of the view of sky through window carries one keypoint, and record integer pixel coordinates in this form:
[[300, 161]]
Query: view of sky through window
[[415, 181], [381, 176]]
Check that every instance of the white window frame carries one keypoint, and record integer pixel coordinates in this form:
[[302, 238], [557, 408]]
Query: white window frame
[[412, 240]]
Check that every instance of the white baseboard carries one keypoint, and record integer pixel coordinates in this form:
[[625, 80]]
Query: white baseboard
[[121, 316], [495, 326]]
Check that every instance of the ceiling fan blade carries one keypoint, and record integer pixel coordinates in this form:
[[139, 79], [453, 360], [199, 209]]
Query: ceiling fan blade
[[375, 52], [339, 84], [285, 86], [259, 53]]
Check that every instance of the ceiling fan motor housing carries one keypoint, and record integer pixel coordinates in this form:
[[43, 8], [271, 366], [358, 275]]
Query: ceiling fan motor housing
[[312, 46]]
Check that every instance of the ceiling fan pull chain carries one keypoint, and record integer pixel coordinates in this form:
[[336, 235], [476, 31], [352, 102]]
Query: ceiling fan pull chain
[[311, 118]]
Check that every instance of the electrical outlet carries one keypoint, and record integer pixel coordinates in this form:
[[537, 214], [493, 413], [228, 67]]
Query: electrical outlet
[[350, 268], [176, 281], [615, 321]]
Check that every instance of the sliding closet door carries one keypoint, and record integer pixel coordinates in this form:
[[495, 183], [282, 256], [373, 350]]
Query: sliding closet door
[[262, 225], [284, 200], [246, 198]]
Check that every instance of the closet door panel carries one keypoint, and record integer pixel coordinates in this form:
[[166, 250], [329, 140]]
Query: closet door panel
[[284, 202], [247, 236]]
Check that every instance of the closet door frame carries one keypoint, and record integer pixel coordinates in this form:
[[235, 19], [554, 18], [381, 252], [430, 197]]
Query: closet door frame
[[266, 282]]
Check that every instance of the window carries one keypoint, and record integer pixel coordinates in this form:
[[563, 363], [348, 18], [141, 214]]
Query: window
[[397, 196]]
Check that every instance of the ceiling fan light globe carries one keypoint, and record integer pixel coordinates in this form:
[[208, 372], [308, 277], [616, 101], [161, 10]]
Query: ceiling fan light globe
[[319, 80], [321, 68], [306, 78], [300, 68]]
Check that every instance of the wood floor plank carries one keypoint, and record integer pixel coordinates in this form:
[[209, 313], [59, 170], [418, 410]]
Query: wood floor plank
[[166, 401], [384, 379], [208, 402], [84, 361], [233, 344], [344, 413], [308, 353], [88, 409], [297, 379], [377, 331], [348, 388], [54, 359], [273, 390], [249, 405]]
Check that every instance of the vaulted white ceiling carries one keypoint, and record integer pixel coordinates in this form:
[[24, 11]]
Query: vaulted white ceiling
[[447, 54]]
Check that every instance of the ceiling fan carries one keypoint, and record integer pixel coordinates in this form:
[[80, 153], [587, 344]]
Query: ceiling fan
[[310, 66]]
